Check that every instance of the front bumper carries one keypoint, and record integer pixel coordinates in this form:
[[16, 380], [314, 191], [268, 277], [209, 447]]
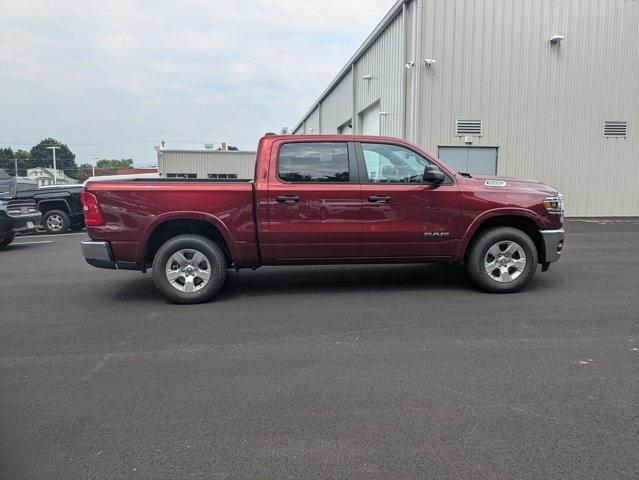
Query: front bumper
[[98, 254], [553, 244]]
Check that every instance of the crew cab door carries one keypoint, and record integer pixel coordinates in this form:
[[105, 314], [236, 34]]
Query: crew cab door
[[314, 201], [403, 217]]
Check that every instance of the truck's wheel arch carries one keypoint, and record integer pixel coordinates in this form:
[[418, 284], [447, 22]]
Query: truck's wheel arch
[[167, 226], [520, 219], [54, 204]]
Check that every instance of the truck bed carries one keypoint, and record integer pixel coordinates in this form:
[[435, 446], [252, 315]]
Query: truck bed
[[136, 209]]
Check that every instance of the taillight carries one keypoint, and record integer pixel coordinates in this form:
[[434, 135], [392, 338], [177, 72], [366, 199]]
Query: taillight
[[91, 208]]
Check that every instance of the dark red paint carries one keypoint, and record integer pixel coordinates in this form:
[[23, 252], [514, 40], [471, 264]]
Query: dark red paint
[[330, 223]]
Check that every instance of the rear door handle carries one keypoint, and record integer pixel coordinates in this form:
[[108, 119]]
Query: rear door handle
[[379, 199], [287, 198]]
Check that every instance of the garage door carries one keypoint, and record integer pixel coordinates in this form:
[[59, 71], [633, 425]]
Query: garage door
[[370, 120], [478, 160]]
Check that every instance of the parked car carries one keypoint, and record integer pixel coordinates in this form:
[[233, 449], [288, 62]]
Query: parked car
[[16, 216], [319, 200], [59, 204]]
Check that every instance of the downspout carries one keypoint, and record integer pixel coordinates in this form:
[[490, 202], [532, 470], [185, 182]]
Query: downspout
[[418, 71], [354, 119], [404, 74]]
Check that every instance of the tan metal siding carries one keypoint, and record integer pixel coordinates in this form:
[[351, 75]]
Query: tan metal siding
[[204, 162], [383, 62], [337, 106], [542, 105], [312, 123]]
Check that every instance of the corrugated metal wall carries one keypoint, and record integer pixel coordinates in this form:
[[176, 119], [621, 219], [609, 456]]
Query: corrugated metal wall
[[543, 105], [312, 123], [206, 161], [337, 108], [383, 63]]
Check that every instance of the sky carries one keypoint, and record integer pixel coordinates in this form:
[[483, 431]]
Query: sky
[[113, 78]]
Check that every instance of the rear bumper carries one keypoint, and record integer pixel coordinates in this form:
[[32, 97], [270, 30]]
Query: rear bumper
[[553, 244], [98, 254], [26, 223]]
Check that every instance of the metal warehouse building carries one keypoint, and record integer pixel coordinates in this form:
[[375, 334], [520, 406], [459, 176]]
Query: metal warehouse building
[[545, 89], [218, 164]]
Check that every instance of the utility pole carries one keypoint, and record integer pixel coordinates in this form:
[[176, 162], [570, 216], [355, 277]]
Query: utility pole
[[55, 169], [15, 163]]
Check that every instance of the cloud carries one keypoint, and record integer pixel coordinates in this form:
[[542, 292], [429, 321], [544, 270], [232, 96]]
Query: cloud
[[123, 74]]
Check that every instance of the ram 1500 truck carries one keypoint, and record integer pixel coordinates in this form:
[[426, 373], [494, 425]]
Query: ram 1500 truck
[[324, 199]]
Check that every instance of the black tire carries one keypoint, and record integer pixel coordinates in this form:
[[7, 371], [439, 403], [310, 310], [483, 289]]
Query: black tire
[[216, 260], [6, 241], [56, 221], [478, 256]]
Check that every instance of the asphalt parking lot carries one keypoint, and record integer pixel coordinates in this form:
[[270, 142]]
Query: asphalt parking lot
[[400, 371]]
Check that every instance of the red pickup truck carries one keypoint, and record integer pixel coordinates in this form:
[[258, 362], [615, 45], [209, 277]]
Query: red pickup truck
[[324, 199]]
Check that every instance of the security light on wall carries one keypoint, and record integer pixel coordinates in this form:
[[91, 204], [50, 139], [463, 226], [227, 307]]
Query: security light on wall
[[429, 62], [556, 39], [409, 65], [367, 77]]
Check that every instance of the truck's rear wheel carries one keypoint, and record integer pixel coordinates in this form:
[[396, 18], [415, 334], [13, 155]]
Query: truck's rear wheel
[[189, 269], [56, 221], [502, 260]]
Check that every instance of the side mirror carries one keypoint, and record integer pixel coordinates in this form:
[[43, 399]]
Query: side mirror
[[433, 175]]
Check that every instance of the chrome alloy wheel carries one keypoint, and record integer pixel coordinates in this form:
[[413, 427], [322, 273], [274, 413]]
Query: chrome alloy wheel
[[55, 222], [505, 261], [188, 270]]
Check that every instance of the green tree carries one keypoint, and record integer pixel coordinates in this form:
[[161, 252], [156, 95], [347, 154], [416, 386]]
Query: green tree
[[85, 170], [9, 158], [113, 164], [6, 159], [42, 156]]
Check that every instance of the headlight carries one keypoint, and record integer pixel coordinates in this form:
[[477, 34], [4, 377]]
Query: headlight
[[554, 204]]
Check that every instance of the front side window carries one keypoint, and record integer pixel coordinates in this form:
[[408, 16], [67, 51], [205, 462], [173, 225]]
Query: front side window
[[316, 162], [392, 164]]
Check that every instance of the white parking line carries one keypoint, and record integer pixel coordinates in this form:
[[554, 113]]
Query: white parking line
[[55, 235], [33, 243]]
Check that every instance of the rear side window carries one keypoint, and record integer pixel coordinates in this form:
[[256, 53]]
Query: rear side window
[[313, 162]]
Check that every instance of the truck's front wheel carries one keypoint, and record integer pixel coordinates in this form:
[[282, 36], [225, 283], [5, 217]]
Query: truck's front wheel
[[189, 269], [502, 260]]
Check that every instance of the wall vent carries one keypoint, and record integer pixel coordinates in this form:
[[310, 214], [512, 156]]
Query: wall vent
[[468, 127], [615, 129]]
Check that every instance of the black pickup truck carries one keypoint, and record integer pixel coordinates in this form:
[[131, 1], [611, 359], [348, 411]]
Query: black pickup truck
[[16, 215], [59, 204]]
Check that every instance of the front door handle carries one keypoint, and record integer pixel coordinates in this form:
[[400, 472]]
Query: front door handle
[[379, 199], [287, 198]]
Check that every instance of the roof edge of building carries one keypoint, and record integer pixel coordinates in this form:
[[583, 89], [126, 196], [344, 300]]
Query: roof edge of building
[[379, 29]]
